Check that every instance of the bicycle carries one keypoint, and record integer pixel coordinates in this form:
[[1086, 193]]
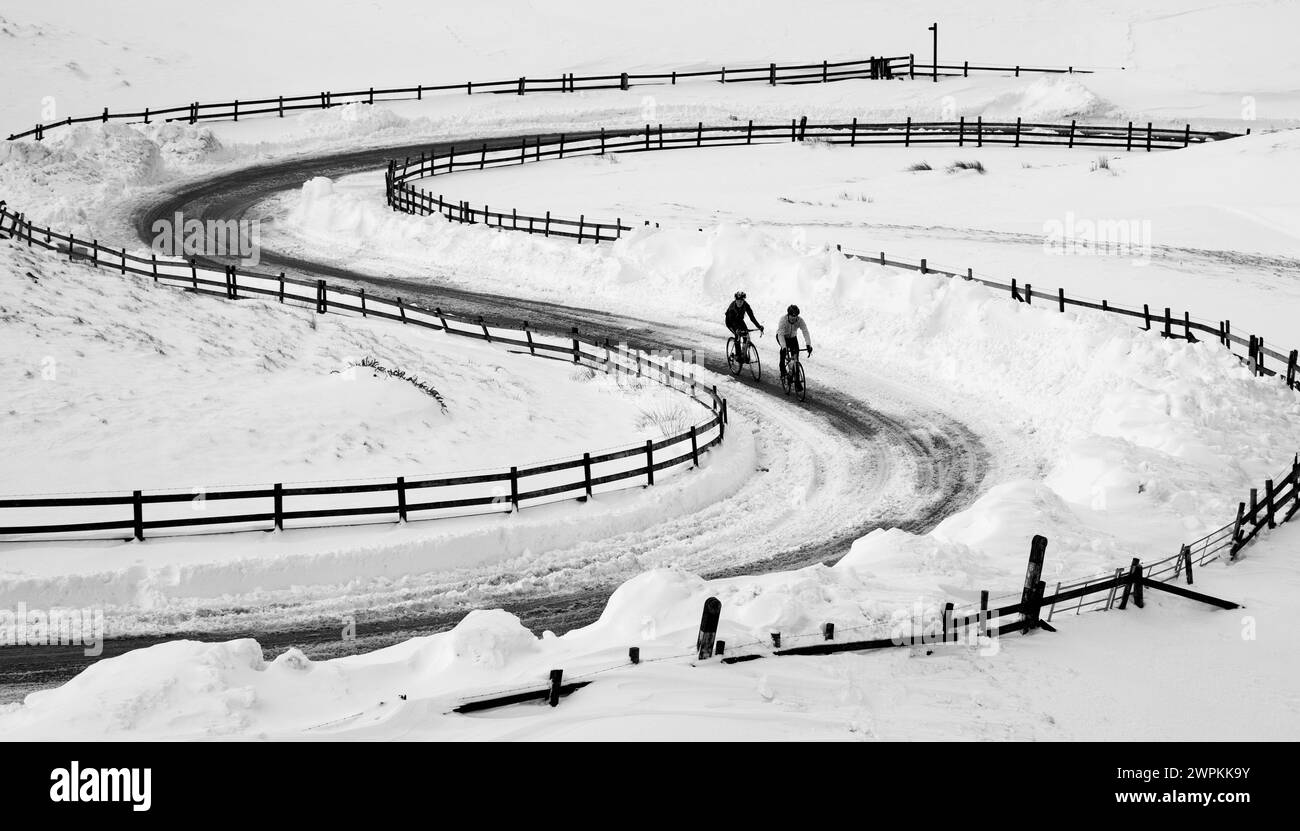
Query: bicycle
[[735, 364], [794, 376]]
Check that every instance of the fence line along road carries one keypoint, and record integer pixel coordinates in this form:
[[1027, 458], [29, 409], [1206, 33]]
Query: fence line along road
[[403, 196], [874, 68], [137, 514]]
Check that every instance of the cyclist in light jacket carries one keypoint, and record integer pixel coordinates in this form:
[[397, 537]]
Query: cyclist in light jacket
[[787, 335]]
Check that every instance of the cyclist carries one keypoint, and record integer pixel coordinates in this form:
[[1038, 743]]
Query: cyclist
[[787, 335], [735, 320]]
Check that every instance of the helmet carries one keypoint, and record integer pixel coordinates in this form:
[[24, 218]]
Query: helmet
[[740, 295], [793, 311]]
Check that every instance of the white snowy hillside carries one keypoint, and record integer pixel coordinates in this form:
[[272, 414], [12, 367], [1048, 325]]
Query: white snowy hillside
[[945, 424]]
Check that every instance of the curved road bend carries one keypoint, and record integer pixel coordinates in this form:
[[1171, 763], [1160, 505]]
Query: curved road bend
[[949, 459]]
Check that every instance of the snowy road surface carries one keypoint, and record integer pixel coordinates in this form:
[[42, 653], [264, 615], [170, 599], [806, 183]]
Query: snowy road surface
[[861, 454]]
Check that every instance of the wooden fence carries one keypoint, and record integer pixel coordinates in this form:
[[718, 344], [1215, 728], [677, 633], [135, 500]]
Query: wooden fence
[[965, 68], [1184, 327], [875, 68], [772, 74], [403, 196], [135, 514]]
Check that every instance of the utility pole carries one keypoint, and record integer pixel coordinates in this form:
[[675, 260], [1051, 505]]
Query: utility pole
[[935, 69]]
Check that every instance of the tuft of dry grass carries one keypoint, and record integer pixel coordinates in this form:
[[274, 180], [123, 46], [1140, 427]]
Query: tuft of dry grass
[[670, 419], [976, 166]]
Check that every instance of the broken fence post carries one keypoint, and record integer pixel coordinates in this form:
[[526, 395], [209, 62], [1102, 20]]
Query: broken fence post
[[708, 628]]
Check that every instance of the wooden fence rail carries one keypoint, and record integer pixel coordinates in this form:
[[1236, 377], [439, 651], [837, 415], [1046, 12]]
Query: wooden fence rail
[[400, 499]]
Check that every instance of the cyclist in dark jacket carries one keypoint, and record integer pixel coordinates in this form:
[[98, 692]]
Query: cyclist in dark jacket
[[737, 309]]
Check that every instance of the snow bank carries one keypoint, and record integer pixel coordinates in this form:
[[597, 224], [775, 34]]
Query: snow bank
[[1021, 688]]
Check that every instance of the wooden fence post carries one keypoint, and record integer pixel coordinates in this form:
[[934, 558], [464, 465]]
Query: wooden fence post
[[1060, 295], [1268, 503], [650, 461], [514, 488], [401, 499], [1295, 488], [557, 681], [1033, 571], [708, 628], [576, 353], [1187, 563], [1146, 316], [1236, 531], [1291, 366], [695, 449], [137, 515], [828, 631], [277, 505], [586, 472], [1133, 586]]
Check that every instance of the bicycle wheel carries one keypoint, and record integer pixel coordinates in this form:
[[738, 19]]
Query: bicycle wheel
[[755, 368], [800, 385], [785, 379], [733, 363]]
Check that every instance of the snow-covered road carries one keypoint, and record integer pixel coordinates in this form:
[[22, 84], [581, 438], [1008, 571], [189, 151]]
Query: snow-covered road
[[861, 454], [865, 460]]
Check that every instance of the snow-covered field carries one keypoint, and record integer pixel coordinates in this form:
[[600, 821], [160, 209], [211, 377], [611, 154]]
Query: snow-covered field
[[1111, 441], [190, 391]]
